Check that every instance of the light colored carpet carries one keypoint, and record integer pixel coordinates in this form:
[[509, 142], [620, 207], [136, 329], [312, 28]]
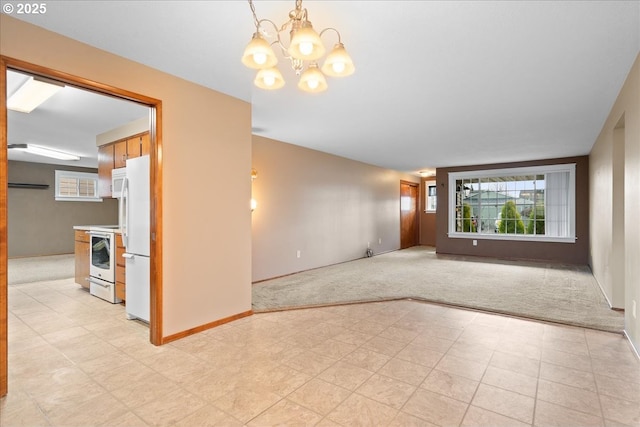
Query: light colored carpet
[[40, 268], [550, 292]]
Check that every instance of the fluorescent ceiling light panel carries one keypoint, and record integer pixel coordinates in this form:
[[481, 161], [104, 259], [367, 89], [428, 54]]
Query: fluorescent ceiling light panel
[[42, 151], [32, 93]]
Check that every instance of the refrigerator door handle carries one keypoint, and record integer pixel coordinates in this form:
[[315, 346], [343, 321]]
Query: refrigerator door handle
[[127, 255], [124, 211]]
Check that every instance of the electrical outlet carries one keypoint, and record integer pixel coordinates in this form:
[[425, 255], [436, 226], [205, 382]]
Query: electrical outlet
[[298, 253], [475, 242], [633, 308], [368, 245], [380, 241]]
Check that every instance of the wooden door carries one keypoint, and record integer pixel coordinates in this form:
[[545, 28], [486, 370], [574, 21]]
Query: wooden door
[[408, 214]]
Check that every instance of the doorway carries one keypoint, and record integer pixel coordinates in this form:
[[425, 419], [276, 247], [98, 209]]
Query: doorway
[[409, 193], [155, 106]]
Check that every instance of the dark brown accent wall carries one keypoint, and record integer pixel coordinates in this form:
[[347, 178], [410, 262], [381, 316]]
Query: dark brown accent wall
[[572, 253]]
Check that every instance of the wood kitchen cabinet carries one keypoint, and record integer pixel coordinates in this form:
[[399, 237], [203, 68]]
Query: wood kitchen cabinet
[[145, 144], [114, 156], [120, 154], [134, 146], [82, 260], [105, 166], [120, 269], [130, 148]]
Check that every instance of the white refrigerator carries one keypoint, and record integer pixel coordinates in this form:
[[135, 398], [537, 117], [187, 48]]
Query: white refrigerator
[[135, 224]]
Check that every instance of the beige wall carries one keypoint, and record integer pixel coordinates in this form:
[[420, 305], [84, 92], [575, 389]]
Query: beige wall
[[427, 219], [324, 206], [38, 224], [206, 163], [609, 245]]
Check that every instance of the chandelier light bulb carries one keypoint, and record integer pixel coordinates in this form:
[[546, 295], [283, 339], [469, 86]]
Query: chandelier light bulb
[[258, 53], [312, 80], [260, 58], [338, 63], [306, 43], [269, 79], [306, 48], [338, 67]]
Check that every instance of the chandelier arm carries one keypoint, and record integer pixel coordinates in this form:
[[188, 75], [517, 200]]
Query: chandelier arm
[[284, 26], [278, 39], [256, 21], [283, 48], [330, 28], [275, 27]]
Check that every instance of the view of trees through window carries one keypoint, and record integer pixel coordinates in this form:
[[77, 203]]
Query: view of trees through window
[[536, 203], [506, 205]]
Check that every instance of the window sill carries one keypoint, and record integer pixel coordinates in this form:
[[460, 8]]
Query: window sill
[[512, 237], [78, 199]]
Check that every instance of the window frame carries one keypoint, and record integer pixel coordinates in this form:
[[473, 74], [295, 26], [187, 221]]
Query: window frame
[[59, 174], [527, 170], [430, 197]]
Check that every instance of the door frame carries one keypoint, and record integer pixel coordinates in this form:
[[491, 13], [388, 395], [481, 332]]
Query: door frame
[[155, 106], [417, 211]]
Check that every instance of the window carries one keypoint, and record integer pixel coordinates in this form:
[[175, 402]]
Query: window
[[77, 186], [532, 203], [431, 198]]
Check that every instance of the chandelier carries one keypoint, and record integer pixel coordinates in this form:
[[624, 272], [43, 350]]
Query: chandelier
[[304, 51]]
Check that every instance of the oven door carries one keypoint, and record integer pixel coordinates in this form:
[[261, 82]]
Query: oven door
[[102, 256]]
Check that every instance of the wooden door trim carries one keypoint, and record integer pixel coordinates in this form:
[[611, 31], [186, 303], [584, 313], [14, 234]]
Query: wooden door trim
[[155, 324], [417, 210], [4, 289]]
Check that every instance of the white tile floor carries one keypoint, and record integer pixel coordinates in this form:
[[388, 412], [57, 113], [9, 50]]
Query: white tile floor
[[74, 360]]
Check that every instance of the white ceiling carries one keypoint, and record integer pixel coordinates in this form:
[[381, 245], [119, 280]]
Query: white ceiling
[[437, 83], [69, 121]]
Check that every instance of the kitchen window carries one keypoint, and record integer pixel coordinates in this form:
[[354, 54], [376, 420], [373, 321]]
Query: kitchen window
[[76, 186], [531, 203]]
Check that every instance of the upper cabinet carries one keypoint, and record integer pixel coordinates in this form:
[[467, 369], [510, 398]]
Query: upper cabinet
[[120, 150], [114, 156], [145, 144], [105, 165]]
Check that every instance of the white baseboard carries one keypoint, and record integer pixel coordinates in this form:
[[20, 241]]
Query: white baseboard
[[606, 297], [635, 350]]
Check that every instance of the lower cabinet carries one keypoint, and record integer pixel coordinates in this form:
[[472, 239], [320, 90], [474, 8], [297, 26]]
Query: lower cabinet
[[82, 261], [120, 269]]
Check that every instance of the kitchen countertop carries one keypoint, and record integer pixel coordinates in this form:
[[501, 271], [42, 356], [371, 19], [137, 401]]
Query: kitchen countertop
[[103, 228]]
